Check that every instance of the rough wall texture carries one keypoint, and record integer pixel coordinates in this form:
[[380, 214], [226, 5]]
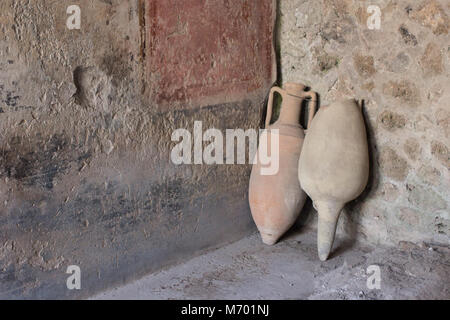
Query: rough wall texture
[[402, 73], [85, 172]]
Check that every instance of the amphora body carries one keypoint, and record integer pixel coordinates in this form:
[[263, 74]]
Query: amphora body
[[334, 165], [276, 199]]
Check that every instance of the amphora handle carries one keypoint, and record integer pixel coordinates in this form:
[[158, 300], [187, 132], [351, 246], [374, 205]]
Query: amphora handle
[[270, 103], [312, 106]]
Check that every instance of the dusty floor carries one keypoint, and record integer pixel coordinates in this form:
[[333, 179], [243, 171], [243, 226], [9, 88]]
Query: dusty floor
[[247, 269]]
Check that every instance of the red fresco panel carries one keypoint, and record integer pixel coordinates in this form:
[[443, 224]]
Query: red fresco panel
[[200, 49]]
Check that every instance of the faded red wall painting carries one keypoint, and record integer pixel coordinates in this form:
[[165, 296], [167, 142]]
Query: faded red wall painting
[[199, 49]]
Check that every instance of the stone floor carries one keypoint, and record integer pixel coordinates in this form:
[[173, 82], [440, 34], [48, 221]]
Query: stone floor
[[247, 269]]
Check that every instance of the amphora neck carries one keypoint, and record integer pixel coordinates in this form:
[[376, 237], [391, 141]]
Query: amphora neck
[[290, 109]]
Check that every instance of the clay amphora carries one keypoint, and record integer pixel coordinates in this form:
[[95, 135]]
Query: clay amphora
[[334, 165], [276, 200]]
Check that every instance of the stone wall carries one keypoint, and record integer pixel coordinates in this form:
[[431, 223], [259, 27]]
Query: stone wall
[[402, 73], [86, 118]]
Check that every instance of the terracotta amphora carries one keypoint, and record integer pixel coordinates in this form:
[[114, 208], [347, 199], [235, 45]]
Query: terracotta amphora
[[276, 199], [334, 165]]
